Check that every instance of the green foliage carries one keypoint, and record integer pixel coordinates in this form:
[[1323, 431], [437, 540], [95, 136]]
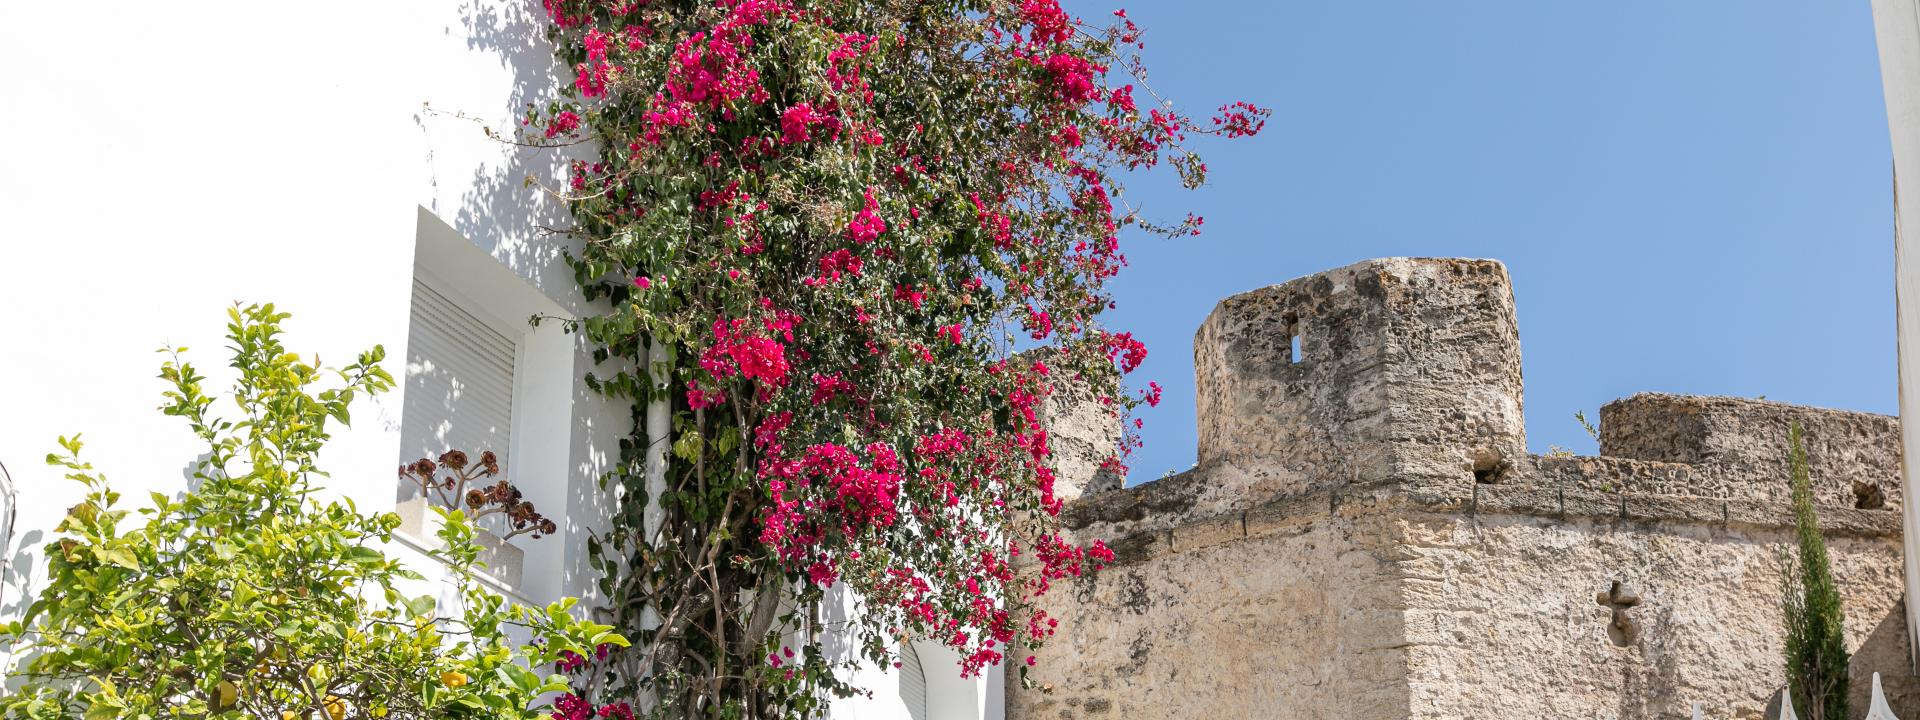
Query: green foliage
[[251, 596], [1816, 646]]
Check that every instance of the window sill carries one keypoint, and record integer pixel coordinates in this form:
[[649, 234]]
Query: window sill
[[489, 582]]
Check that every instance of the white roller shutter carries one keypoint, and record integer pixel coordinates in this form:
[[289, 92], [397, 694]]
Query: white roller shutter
[[459, 383], [913, 682]]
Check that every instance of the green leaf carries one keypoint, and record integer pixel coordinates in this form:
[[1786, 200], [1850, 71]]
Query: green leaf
[[422, 606], [103, 709], [521, 678], [361, 555], [118, 556], [609, 638]]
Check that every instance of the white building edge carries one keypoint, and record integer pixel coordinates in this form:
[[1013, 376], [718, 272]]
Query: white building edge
[[167, 160], [1897, 31]]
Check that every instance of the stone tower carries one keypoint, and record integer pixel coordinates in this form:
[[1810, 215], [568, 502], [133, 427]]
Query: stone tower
[[1404, 369], [1365, 535]]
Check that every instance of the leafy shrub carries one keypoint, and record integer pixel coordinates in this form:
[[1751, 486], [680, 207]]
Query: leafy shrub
[[252, 596]]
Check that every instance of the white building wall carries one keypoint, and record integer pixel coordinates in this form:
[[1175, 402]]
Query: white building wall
[[1897, 32], [945, 695], [167, 160]]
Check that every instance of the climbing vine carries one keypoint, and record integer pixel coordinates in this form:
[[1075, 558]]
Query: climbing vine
[[850, 249]]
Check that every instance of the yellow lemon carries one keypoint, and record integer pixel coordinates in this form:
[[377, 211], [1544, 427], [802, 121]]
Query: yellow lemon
[[225, 695], [288, 715], [336, 708], [453, 679]]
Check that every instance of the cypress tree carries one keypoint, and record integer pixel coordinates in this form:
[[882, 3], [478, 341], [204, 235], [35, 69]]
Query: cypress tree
[[1816, 647]]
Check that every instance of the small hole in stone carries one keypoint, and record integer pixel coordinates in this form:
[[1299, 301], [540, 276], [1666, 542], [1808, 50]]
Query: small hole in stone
[[1869, 496], [1488, 466], [1294, 352]]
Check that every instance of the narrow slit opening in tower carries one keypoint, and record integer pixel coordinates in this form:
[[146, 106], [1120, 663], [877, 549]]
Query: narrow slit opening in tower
[[1294, 353]]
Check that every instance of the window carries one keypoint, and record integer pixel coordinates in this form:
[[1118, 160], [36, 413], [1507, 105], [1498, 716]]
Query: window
[[459, 382], [1295, 353], [480, 377]]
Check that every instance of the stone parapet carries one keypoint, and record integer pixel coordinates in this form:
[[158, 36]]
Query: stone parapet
[[1853, 458], [1146, 520], [1135, 542]]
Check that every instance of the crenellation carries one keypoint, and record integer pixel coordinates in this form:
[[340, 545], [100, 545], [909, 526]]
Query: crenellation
[[1365, 534], [1746, 440]]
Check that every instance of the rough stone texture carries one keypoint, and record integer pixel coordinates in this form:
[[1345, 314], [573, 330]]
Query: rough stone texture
[[1365, 536], [1749, 439], [1503, 619], [1082, 433], [1316, 633]]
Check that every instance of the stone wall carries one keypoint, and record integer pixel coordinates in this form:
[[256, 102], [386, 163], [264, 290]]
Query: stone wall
[[1365, 536]]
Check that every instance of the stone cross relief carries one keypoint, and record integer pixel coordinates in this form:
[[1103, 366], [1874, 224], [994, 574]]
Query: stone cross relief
[[1622, 627]]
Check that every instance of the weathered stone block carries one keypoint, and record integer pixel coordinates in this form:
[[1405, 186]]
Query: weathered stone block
[[1655, 508], [1083, 434], [1590, 504], [1527, 499], [1207, 533], [1285, 515]]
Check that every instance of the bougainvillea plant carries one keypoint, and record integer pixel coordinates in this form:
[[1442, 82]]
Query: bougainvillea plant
[[829, 232]]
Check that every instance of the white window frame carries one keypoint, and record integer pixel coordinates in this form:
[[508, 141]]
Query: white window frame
[[540, 436]]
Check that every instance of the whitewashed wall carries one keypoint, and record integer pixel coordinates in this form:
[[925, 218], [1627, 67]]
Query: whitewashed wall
[[166, 160], [184, 157], [1897, 31], [944, 696]]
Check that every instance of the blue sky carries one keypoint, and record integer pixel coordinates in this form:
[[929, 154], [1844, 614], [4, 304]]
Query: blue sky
[[1690, 196]]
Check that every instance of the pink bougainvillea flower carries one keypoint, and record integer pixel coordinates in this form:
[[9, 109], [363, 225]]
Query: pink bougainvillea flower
[[864, 227]]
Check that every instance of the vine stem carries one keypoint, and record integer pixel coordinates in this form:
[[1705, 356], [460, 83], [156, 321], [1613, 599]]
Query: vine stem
[[654, 355]]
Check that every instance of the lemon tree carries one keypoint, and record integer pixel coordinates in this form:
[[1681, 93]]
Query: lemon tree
[[249, 596]]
